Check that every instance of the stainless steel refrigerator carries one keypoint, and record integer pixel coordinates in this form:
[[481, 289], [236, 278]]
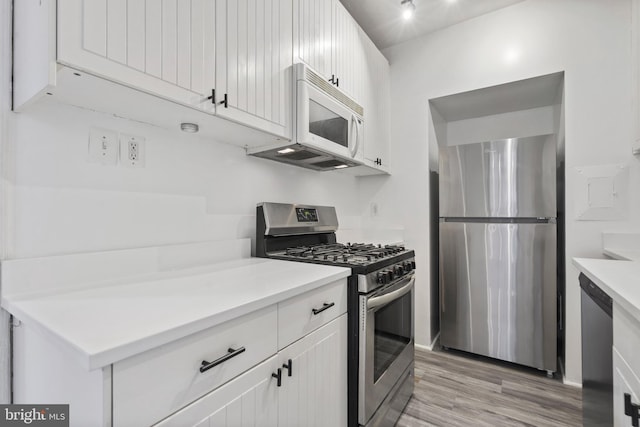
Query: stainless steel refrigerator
[[498, 249]]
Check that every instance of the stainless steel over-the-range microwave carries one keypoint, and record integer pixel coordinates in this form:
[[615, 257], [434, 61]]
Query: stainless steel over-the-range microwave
[[328, 126]]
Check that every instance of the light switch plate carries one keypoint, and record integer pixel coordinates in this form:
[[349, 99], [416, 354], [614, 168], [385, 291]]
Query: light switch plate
[[601, 192], [103, 146]]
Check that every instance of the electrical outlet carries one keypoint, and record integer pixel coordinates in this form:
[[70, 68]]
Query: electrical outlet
[[103, 146], [132, 151]]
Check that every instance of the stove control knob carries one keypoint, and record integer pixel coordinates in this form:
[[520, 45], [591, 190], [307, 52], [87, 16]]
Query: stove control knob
[[398, 270], [390, 275], [407, 266], [382, 277]]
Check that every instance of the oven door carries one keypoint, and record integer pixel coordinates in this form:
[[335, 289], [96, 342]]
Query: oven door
[[386, 343], [326, 124]]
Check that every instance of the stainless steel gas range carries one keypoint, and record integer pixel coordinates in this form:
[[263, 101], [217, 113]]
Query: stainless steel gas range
[[380, 298]]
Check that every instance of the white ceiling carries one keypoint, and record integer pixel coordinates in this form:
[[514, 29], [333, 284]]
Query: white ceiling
[[382, 20]]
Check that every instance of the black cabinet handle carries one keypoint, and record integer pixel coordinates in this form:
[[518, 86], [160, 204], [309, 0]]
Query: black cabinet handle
[[289, 367], [224, 101], [231, 353], [278, 376], [337, 82], [332, 80], [213, 96], [631, 409], [325, 306]]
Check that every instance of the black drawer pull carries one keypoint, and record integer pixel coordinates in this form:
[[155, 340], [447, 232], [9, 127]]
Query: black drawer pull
[[231, 353], [325, 306], [289, 367], [278, 376], [631, 409]]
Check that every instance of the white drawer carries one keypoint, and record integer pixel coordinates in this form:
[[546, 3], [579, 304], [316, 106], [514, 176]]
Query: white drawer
[[156, 383], [296, 317], [250, 399], [626, 337]]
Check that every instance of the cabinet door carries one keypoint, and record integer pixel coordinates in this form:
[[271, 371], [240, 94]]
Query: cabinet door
[[376, 103], [624, 382], [313, 34], [347, 53], [254, 58], [249, 400], [315, 395], [166, 47]]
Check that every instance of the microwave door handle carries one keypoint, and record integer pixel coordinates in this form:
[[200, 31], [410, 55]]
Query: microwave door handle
[[356, 132], [391, 296]]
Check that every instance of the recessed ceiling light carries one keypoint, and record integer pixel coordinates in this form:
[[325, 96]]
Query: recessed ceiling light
[[189, 127], [408, 8], [286, 150]]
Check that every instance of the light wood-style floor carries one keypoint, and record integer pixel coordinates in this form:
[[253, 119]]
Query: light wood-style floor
[[457, 389]]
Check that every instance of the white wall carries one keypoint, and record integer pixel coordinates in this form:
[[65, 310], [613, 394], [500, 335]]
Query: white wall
[[590, 41], [523, 123], [191, 189]]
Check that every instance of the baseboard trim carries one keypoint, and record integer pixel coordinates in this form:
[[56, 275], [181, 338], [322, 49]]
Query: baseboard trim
[[565, 381], [429, 347]]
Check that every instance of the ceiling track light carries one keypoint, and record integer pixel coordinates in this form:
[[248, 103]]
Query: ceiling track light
[[408, 8]]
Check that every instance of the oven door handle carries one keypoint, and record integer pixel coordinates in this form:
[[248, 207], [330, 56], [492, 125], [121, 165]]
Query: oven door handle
[[383, 299]]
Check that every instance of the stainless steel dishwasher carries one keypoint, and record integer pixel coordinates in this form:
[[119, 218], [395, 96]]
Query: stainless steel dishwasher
[[597, 364]]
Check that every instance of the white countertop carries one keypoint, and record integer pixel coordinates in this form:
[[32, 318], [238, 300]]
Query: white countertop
[[620, 279], [622, 254], [105, 324]]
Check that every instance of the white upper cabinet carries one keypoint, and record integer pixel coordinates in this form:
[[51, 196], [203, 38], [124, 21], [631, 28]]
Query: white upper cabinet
[[313, 34], [376, 103], [225, 65], [195, 53], [348, 55], [329, 40], [326, 39], [254, 58], [162, 47]]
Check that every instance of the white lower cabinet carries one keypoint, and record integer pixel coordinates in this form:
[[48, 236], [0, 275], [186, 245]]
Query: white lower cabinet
[[626, 366], [304, 385], [249, 400], [233, 374], [173, 375], [625, 386], [315, 395]]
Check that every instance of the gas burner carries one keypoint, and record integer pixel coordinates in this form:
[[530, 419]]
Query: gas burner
[[349, 253]]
